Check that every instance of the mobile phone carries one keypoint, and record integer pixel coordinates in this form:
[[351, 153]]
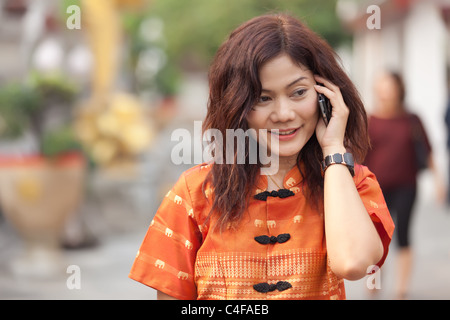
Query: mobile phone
[[324, 107]]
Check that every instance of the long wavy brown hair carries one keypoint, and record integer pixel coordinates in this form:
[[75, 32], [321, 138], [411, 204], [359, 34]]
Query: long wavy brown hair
[[235, 88]]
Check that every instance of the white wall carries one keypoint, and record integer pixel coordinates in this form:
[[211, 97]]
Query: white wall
[[425, 62]]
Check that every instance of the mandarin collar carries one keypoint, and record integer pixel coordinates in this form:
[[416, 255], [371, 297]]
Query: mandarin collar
[[292, 179]]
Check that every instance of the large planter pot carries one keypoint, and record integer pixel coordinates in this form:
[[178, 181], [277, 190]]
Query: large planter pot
[[37, 196]]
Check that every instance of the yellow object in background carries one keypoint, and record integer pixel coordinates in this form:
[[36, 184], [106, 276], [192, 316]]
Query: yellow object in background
[[119, 129], [112, 125], [101, 18], [29, 189]]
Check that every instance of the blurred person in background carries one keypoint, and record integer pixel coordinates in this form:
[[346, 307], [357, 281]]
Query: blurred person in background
[[400, 150]]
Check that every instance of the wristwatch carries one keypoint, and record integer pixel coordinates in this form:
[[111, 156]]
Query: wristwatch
[[339, 158]]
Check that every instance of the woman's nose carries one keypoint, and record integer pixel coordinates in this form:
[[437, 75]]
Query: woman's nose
[[283, 111]]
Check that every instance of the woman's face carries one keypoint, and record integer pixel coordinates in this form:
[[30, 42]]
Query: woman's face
[[387, 93], [288, 103]]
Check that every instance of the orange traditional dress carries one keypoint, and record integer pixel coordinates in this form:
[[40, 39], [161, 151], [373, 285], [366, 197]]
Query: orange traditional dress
[[277, 252]]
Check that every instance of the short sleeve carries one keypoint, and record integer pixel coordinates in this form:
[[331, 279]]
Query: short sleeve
[[166, 258], [421, 133], [372, 196]]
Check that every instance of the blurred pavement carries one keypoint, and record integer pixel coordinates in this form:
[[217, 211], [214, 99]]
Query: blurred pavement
[[104, 270]]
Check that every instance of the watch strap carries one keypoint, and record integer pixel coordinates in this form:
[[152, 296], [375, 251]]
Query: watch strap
[[339, 158]]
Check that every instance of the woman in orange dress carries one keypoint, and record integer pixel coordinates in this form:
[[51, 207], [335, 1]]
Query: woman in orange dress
[[228, 231]]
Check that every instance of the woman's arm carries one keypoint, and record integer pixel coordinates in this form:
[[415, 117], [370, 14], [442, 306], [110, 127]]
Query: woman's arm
[[353, 243], [440, 187]]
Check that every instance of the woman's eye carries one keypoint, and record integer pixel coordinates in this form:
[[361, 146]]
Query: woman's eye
[[264, 99], [299, 93]]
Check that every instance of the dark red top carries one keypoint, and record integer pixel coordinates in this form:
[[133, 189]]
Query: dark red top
[[392, 156]]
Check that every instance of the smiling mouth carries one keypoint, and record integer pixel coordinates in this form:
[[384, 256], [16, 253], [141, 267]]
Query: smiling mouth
[[285, 132]]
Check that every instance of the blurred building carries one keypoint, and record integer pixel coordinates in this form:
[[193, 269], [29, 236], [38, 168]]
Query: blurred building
[[412, 38]]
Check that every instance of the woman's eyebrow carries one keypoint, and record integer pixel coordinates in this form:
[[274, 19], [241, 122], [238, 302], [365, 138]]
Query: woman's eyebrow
[[289, 85], [295, 81]]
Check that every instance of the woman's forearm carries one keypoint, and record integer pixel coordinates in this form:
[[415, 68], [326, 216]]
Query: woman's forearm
[[353, 243]]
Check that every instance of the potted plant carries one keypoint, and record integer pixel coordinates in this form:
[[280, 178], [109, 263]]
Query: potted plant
[[39, 190]]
